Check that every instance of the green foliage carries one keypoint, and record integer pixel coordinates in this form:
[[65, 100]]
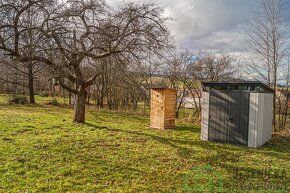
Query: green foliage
[[41, 150], [17, 99]]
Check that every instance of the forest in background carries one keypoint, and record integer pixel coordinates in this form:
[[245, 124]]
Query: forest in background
[[111, 57]]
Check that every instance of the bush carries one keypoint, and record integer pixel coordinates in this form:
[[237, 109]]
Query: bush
[[53, 101], [17, 99]]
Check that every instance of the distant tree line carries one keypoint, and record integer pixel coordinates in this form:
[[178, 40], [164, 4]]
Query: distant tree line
[[94, 52], [111, 57]]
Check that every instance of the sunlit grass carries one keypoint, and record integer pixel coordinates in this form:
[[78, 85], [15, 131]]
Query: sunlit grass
[[41, 150]]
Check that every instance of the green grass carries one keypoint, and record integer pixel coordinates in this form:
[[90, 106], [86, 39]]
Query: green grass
[[41, 150]]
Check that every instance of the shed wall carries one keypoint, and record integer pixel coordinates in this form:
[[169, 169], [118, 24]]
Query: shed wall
[[260, 119], [205, 116], [163, 105], [169, 109]]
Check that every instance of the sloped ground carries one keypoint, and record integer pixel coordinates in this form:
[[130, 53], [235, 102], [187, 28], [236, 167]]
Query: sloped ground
[[41, 150]]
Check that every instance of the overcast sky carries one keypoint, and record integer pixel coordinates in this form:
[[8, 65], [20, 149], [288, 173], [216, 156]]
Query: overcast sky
[[206, 24]]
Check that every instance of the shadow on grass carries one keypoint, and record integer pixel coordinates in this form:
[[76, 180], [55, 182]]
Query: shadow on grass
[[279, 143], [138, 118], [118, 115], [225, 152], [190, 128]]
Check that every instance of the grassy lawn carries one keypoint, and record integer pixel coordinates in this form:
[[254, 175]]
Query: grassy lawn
[[41, 150]]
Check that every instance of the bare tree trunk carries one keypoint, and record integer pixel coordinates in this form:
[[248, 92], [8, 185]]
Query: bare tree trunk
[[274, 110], [31, 86], [69, 98], [285, 112], [279, 111], [80, 107], [180, 103]]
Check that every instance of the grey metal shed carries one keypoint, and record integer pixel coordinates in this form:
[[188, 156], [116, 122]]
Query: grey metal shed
[[237, 112]]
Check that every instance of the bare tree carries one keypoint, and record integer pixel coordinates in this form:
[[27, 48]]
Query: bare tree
[[209, 66], [177, 73], [83, 30], [185, 72], [265, 39], [21, 74], [18, 37], [282, 98]]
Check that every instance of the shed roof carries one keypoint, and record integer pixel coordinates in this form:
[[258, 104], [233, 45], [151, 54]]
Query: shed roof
[[239, 83], [162, 88]]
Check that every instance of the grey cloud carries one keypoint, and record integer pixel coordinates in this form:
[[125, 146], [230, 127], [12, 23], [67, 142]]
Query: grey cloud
[[207, 24]]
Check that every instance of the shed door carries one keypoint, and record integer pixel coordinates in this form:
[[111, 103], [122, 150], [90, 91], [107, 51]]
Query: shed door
[[157, 112], [229, 112]]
